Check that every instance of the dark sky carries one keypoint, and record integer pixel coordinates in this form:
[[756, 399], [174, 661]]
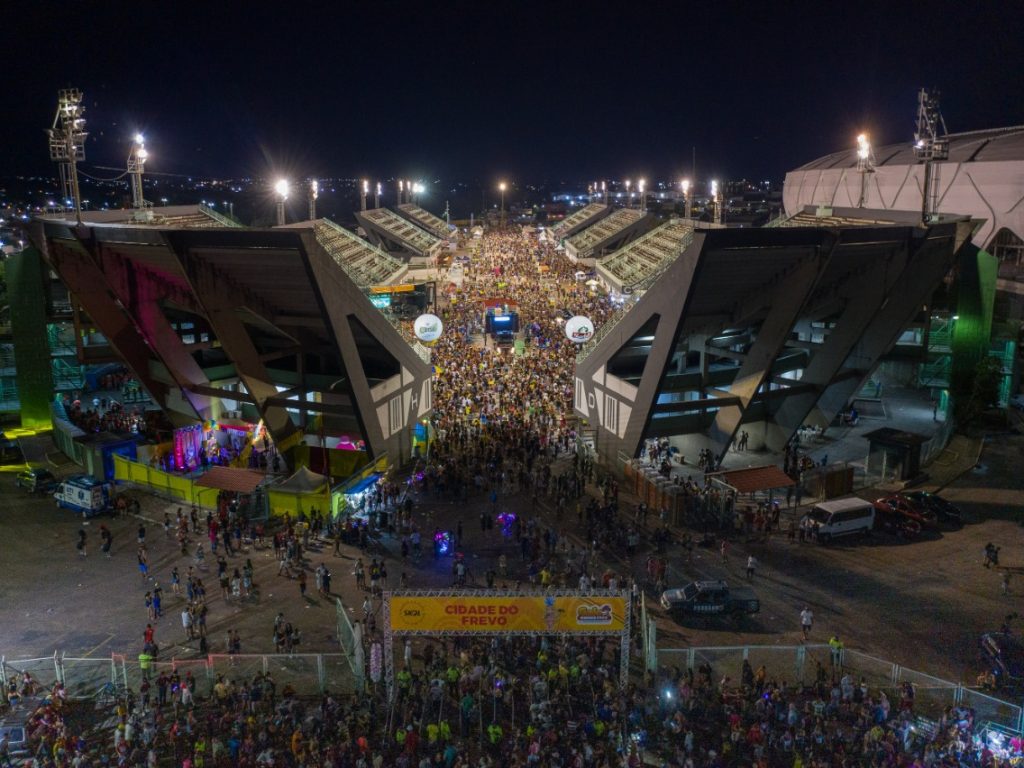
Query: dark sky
[[488, 89]]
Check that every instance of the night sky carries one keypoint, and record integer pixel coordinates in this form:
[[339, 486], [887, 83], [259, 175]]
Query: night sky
[[533, 92]]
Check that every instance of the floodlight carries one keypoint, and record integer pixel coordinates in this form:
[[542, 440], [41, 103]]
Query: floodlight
[[685, 184], [502, 186], [378, 187], [714, 189], [315, 187], [139, 138], [142, 154], [366, 187], [281, 187]]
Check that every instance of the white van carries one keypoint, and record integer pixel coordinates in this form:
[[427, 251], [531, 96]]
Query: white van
[[842, 517]]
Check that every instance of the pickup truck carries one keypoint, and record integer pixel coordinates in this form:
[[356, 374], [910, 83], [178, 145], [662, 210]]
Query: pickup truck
[[710, 598]]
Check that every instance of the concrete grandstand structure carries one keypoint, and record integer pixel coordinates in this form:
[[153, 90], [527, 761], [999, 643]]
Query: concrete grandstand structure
[[606, 235], [274, 323], [638, 264], [764, 328], [399, 236], [424, 219], [577, 221], [983, 177]]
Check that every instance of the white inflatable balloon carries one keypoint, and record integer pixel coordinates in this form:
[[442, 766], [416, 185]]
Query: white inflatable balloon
[[579, 329], [428, 328]]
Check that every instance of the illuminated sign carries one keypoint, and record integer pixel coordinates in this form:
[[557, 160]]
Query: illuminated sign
[[542, 613]]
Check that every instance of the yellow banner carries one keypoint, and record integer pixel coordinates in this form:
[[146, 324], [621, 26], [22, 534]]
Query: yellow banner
[[503, 614]]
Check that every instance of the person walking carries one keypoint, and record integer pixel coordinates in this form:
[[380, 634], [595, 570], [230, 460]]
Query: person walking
[[806, 621], [751, 566], [1005, 586], [724, 550], [80, 546], [107, 540], [302, 584]]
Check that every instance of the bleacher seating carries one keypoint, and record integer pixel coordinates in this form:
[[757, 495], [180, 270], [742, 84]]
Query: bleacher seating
[[571, 222], [586, 241], [405, 232], [364, 263], [647, 256], [433, 224], [808, 219]]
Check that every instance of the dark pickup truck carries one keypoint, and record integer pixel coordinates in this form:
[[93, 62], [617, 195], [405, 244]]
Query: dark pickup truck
[[710, 598]]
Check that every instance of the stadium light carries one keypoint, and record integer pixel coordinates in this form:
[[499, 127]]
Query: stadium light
[[401, 189], [363, 193], [687, 200], [314, 193], [641, 185], [137, 157], [376, 198], [629, 197], [502, 186], [140, 139], [281, 188], [716, 207], [863, 146]]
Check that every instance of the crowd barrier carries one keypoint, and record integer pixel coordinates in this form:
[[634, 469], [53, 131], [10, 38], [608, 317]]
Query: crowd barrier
[[799, 664], [307, 673]]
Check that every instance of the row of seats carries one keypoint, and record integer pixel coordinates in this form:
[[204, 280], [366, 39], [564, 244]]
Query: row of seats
[[575, 219], [433, 224], [402, 229], [607, 227], [365, 264], [644, 256]]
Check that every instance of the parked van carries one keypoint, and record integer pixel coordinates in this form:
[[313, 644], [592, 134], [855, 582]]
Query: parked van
[[83, 493], [842, 517]]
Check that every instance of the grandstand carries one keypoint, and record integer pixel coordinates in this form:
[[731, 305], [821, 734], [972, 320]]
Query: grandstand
[[575, 222], [168, 216], [398, 236], [366, 264], [274, 323], [724, 333], [609, 233], [424, 219], [636, 265]]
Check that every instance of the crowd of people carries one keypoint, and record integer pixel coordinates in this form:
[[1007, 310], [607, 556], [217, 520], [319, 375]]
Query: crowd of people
[[499, 428]]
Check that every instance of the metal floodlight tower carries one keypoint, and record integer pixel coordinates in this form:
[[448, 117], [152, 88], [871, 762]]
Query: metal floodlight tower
[[629, 197], [401, 188], [136, 162], [687, 199], [865, 165], [314, 193], [376, 197], [716, 207], [67, 143], [363, 192], [604, 191], [281, 190], [929, 145], [641, 187], [502, 187]]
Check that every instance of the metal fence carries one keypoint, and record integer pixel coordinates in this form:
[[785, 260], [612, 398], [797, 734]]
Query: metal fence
[[307, 673], [800, 663]]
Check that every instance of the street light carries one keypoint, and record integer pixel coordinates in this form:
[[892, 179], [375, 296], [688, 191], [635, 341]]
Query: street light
[[281, 189], [629, 197], [640, 185], [687, 204], [362, 195], [136, 160], [716, 211], [502, 187], [376, 198]]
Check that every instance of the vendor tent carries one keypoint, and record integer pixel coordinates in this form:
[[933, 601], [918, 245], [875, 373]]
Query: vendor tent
[[300, 494]]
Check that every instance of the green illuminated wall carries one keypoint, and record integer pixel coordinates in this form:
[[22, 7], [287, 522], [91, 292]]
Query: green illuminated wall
[[975, 304], [25, 272]]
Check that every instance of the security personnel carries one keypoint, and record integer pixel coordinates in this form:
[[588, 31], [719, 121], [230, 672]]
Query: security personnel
[[494, 733], [145, 662], [836, 645]]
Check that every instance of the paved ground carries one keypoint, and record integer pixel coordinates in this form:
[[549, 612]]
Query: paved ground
[[921, 604]]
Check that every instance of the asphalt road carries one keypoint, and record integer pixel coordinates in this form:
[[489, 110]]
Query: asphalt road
[[921, 604]]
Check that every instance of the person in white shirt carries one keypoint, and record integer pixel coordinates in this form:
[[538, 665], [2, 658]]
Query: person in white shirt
[[806, 620]]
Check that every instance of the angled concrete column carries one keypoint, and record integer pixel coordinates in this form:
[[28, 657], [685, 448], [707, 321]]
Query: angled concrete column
[[220, 308], [784, 305]]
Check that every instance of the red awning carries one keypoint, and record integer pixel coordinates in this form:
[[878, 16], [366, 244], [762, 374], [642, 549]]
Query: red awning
[[755, 479], [231, 479]]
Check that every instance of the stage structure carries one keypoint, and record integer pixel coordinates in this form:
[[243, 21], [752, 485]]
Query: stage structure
[[484, 612]]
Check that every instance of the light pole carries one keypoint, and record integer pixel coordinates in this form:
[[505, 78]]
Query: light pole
[[629, 197], [376, 197], [716, 208], [281, 189], [502, 186], [687, 200], [864, 166], [314, 193], [641, 186], [604, 191], [136, 160], [363, 192], [401, 188]]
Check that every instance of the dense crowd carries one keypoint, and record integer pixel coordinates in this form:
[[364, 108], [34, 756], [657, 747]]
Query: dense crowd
[[516, 702]]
